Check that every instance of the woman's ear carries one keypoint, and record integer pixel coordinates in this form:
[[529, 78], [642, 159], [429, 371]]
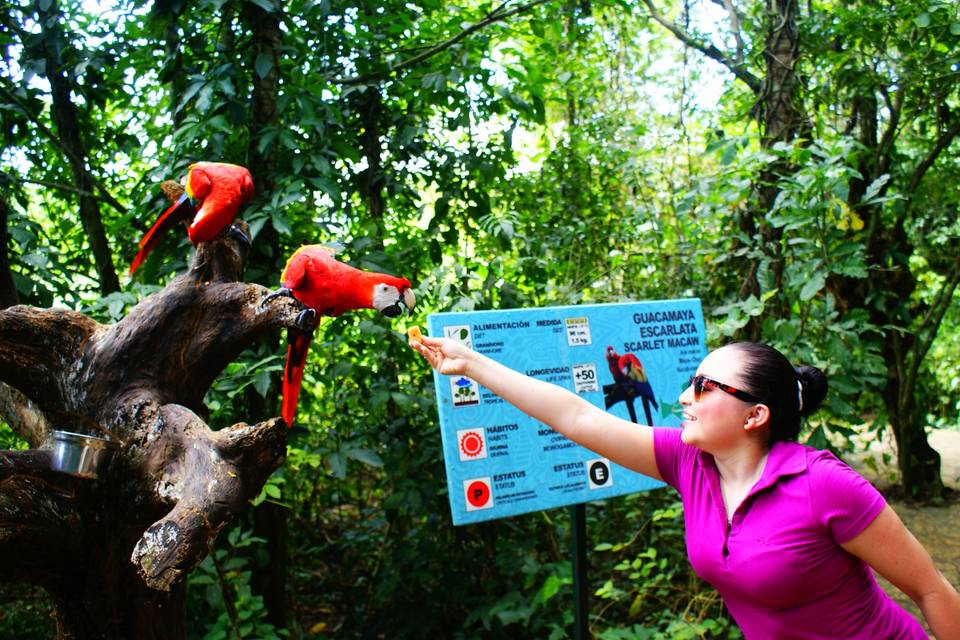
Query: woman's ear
[[757, 418]]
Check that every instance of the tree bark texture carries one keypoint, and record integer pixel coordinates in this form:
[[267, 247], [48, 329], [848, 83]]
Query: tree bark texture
[[372, 179], [172, 71], [919, 463], [113, 552]]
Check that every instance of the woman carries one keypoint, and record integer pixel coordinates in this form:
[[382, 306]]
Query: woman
[[787, 534]]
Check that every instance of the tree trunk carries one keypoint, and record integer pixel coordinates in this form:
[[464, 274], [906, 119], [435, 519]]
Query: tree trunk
[[919, 463], [269, 520], [887, 293], [113, 551], [172, 73], [8, 291], [903, 353], [265, 38], [68, 128], [371, 179], [781, 120]]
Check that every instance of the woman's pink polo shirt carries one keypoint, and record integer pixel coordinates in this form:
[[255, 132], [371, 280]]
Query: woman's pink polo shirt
[[778, 564]]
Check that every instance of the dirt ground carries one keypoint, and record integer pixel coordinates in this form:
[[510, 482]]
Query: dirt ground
[[936, 527]]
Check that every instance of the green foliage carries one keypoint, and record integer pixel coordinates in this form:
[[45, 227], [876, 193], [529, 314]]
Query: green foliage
[[26, 612], [222, 604], [822, 238], [9, 439], [648, 580], [563, 155]]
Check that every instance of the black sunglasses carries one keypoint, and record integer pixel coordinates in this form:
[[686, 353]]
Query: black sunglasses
[[703, 383]]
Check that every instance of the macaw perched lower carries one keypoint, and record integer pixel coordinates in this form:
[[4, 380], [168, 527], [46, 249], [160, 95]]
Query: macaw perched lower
[[325, 286], [218, 189]]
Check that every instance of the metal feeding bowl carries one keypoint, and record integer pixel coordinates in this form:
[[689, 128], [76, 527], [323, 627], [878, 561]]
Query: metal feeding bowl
[[79, 454]]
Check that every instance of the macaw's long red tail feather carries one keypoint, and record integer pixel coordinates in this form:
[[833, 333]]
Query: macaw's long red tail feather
[[180, 210], [298, 344]]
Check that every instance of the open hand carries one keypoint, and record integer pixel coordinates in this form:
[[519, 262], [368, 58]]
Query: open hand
[[447, 356]]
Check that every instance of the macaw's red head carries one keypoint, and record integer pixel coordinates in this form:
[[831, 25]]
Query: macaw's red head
[[226, 183], [356, 289], [390, 295]]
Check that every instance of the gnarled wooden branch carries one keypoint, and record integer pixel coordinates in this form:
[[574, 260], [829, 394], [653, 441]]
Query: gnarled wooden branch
[[173, 483], [210, 477]]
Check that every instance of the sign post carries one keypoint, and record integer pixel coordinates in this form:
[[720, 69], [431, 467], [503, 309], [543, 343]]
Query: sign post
[[581, 609]]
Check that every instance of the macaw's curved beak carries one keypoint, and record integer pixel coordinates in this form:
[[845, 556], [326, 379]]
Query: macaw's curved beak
[[407, 299]]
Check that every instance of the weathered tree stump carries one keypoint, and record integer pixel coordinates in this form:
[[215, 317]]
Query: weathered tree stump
[[113, 552]]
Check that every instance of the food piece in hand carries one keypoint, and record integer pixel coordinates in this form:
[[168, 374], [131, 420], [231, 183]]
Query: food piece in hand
[[413, 333]]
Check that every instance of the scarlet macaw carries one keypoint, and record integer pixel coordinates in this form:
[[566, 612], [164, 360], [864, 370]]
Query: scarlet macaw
[[632, 369], [323, 285], [220, 189], [629, 381]]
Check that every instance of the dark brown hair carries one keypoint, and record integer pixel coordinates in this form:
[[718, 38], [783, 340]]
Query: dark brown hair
[[768, 375]]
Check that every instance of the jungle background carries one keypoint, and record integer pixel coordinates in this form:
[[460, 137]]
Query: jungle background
[[792, 164]]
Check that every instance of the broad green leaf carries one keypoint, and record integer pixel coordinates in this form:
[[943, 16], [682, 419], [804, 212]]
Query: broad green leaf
[[874, 187], [813, 286], [272, 491], [281, 223], [366, 456], [549, 589], [261, 382], [337, 465], [263, 64]]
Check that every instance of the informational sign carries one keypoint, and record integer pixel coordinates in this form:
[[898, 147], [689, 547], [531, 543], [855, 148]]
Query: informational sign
[[633, 359]]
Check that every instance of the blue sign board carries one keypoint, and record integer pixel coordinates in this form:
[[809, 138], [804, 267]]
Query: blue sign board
[[633, 359]]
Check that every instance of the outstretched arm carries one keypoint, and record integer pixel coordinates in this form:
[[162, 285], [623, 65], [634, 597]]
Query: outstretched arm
[[889, 547], [621, 441]]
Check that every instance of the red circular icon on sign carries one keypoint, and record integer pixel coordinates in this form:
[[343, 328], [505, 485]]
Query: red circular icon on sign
[[471, 444], [478, 493]]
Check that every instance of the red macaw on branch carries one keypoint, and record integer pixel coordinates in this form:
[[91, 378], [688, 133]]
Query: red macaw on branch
[[323, 285], [218, 189]]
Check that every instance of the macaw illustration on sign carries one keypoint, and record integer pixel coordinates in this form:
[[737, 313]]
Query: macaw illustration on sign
[[629, 383]]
